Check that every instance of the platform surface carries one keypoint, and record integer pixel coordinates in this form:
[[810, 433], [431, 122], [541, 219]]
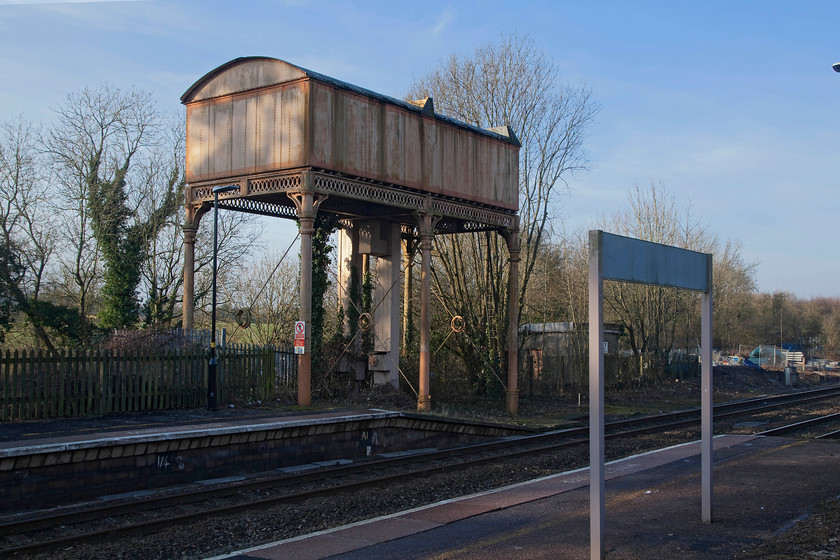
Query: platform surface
[[34, 435], [762, 486]]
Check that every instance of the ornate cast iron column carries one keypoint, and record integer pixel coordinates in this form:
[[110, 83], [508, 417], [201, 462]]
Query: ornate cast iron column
[[512, 238], [307, 203], [190, 227], [426, 226]]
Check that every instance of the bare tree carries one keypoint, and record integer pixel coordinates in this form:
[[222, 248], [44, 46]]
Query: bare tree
[[657, 318], [26, 229], [829, 325], [509, 82], [103, 147], [651, 314], [734, 287], [161, 173], [239, 245], [76, 145], [79, 273], [558, 293]]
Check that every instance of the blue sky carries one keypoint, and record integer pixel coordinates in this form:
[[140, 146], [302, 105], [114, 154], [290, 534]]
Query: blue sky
[[731, 105]]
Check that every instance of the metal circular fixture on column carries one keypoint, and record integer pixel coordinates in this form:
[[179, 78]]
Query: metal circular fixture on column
[[457, 323], [365, 322], [243, 318]]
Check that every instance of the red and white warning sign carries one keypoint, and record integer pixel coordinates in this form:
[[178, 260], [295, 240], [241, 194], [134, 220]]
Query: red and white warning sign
[[300, 337]]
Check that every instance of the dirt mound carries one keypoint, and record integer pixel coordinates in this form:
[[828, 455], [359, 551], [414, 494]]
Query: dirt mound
[[745, 379], [742, 381]]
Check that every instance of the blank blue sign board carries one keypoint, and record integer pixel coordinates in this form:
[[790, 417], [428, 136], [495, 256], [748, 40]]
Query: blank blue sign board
[[643, 262]]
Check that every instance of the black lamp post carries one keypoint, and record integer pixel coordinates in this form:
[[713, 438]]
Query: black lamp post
[[212, 364]]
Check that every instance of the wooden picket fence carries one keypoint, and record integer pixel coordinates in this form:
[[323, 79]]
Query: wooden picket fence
[[71, 383]]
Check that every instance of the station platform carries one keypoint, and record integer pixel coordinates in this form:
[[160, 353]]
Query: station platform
[[57, 463], [55, 430], [67, 461], [761, 487]]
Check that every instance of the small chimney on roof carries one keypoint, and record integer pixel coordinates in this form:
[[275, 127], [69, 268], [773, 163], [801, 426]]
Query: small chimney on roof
[[426, 105]]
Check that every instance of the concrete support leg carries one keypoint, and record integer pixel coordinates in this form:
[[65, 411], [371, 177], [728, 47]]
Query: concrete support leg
[[512, 396], [386, 298], [374, 246], [350, 265]]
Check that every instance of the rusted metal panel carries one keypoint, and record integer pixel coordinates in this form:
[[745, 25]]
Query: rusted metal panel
[[244, 135], [431, 162], [294, 127], [266, 141], [261, 115], [240, 136], [196, 130], [221, 142], [321, 114]]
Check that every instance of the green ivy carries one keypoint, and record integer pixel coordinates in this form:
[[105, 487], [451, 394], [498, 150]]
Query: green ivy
[[124, 245], [325, 225], [11, 275]]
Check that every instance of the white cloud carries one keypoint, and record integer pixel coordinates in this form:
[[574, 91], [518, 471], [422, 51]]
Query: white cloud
[[444, 20]]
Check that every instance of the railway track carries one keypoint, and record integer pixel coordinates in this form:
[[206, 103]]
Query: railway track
[[813, 426], [94, 524]]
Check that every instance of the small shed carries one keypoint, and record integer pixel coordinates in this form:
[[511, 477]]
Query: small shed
[[550, 347]]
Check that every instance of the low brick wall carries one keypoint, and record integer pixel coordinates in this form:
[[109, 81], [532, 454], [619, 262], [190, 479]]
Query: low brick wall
[[62, 473]]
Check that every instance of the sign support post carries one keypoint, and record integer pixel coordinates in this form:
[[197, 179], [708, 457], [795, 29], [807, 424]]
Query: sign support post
[[597, 484], [706, 399], [613, 257]]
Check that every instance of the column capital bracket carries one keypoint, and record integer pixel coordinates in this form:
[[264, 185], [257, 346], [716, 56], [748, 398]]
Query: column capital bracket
[[307, 202]]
